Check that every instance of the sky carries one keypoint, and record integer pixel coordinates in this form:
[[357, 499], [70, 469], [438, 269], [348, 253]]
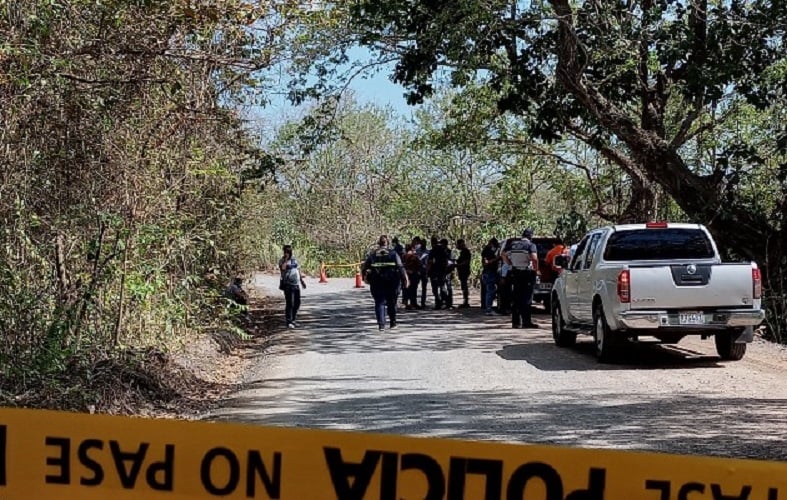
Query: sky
[[374, 88]]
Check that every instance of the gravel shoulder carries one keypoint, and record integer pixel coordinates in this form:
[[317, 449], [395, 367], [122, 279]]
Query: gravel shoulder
[[460, 374]]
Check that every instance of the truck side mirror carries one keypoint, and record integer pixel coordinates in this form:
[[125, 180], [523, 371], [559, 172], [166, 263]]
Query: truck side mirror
[[561, 261]]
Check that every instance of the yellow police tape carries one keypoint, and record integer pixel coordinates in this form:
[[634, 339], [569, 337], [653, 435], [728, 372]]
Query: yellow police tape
[[61, 455], [352, 264]]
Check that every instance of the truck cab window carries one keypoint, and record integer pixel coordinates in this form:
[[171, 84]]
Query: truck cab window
[[658, 244], [592, 247], [576, 261]]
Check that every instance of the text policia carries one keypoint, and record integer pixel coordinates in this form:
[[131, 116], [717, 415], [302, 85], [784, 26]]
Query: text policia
[[58, 455]]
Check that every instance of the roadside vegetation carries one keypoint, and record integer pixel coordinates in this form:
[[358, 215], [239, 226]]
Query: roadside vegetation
[[124, 155], [133, 184]]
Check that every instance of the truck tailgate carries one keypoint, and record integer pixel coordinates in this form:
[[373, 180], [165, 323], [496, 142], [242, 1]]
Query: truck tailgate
[[687, 286]]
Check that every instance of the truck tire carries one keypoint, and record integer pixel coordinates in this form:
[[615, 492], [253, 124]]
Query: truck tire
[[562, 337], [727, 348], [608, 345]]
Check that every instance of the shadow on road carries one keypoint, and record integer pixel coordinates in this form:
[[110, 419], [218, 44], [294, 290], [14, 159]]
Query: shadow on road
[[549, 357], [342, 323], [731, 427], [345, 324]]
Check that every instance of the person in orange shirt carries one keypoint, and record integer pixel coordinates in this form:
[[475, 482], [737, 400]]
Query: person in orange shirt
[[552, 270]]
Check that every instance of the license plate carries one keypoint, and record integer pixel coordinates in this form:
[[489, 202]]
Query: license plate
[[691, 318], [545, 286]]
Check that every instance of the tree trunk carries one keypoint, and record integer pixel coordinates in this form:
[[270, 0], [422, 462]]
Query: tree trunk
[[750, 235], [642, 203]]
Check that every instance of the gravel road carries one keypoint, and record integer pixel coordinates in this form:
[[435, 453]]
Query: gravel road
[[461, 374]]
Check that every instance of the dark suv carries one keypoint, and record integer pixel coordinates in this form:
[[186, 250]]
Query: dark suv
[[543, 289]]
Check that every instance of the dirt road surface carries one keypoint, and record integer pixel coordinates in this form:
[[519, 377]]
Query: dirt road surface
[[461, 374]]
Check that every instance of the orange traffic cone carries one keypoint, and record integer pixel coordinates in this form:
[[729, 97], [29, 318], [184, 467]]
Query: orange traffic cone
[[323, 275], [358, 282]]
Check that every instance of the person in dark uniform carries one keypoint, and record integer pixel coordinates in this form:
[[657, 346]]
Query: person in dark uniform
[[523, 260], [385, 274], [423, 255], [448, 301], [397, 247], [463, 270], [437, 270]]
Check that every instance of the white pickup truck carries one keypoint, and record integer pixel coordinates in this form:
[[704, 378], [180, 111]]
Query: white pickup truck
[[657, 279]]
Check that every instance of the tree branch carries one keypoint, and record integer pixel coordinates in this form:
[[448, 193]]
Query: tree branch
[[542, 151], [684, 136], [111, 81]]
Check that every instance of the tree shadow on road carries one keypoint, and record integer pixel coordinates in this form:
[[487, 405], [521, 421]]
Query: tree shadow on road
[[686, 424], [343, 323]]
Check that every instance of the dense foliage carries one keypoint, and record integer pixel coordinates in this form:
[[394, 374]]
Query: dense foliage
[[122, 160], [680, 96], [132, 185]]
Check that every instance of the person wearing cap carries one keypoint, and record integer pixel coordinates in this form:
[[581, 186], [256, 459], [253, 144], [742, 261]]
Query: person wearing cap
[[523, 259]]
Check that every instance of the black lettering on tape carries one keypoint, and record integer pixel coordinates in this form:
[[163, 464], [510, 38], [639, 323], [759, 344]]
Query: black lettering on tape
[[597, 481], [160, 476], [2, 454], [62, 460], [523, 475], [89, 463], [206, 469], [431, 469], [491, 469], [688, 488], [341, 472], [390, 476], [256, 468], [664, 486], [128, 478], [715, 490]]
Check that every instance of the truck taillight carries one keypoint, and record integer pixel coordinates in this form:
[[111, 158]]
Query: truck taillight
[[656, 225], [624, 287], [756, 283]]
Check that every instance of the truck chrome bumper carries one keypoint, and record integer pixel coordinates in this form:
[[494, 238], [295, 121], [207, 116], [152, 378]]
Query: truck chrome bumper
[[715, 319]]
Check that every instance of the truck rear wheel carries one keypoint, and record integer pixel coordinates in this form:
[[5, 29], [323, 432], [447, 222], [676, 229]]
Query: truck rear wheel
[[559, 333], [727, 348], [608, 345]]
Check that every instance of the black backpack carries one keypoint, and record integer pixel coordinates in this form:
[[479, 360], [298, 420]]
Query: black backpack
[[383, 267]]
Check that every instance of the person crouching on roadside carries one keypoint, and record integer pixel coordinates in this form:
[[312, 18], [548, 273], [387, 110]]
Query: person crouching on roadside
[[237, 296]]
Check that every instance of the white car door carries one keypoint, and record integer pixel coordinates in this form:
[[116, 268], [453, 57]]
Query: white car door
[[571, 277], [585, 285]]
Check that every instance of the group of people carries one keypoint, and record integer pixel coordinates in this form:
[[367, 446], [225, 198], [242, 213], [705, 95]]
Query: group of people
[[517, 265], [391, 268]]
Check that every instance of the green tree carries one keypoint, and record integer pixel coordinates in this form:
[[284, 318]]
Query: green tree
[[638, 81], [124, 159]]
